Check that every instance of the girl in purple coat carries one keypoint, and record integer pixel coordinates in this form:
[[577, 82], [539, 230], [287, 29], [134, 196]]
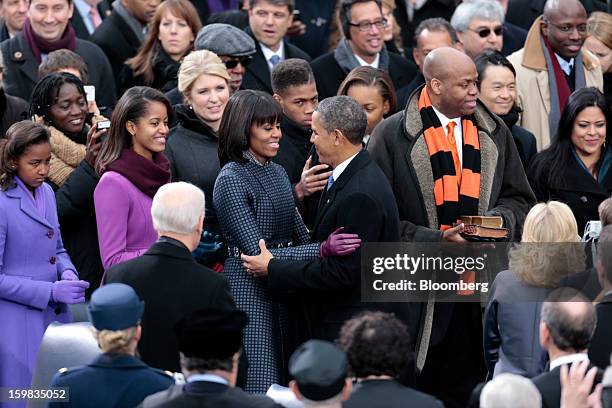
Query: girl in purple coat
[[133, 167], [37, 278]]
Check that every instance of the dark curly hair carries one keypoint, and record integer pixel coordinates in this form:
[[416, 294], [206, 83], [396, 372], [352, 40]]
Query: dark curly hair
[[376, 343]]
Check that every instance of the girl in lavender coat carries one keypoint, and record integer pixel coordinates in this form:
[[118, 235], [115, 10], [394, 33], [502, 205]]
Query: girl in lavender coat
[[37, 278], [132, 167]]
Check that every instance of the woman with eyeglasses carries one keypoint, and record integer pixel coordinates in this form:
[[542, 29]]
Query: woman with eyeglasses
[[170, 37], [192, 145]]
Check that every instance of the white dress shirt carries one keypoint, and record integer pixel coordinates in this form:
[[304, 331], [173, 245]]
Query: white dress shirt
[[565, 65], [458, 131], [342, 166], [268, 53], [374, 63], [568, 359], [84, 9], [207, 377]]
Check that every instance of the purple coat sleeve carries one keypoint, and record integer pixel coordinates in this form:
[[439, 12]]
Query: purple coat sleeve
[[20, 289], [112, 203]]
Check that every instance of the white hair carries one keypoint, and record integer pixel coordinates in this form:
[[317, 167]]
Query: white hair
[[177, 207], [510, 391], [465, 12]]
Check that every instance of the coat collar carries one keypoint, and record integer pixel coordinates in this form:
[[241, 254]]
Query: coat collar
[[171, 249], [327, 198], [25, 203], [22, 55], [533, 54], [108, 360], [259, 66]]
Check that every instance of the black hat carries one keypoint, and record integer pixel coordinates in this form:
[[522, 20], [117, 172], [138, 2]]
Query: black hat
[[211, 333], [115, 307], [319, 369]]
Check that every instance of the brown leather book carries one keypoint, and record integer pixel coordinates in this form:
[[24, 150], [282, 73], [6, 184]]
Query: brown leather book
[[485, 232], [482, 221]]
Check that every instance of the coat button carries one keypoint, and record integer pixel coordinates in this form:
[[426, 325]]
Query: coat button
[[50, 234], [18, 55], [52, 260]]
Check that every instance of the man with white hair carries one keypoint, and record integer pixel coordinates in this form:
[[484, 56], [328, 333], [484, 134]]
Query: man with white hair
[[167, 277], [479, 26], [510, 391]]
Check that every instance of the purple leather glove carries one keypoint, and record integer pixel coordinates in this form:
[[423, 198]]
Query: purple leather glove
[[69, 274], [69, 291], [338, 244]]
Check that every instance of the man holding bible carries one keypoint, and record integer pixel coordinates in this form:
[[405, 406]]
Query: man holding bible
[[447, 156]]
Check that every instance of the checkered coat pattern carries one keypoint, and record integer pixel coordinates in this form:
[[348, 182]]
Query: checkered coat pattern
[[255, 201]]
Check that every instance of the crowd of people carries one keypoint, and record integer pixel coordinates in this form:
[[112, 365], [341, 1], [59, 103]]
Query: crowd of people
[[201, 177]]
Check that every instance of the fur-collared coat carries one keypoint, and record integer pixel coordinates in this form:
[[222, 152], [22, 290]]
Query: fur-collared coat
[[399, 148]]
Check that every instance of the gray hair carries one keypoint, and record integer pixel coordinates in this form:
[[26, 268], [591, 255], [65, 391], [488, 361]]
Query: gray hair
[[570, 318], [510, 391], [346, 115], [488, 10], [177, 207]]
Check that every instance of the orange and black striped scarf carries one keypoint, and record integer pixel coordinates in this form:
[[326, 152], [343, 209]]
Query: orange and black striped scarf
[[455, 195]]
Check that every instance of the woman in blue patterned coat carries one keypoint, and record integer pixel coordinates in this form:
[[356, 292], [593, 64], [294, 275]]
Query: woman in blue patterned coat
[[253, 199]]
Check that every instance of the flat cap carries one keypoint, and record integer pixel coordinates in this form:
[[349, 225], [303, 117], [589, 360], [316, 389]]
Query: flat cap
[[115, 307], [211, 333], [224, 39], [319, 368]]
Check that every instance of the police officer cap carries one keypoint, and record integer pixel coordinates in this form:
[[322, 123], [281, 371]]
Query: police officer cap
[[319, 368], [211, 333], [115, 307], [224, 39]]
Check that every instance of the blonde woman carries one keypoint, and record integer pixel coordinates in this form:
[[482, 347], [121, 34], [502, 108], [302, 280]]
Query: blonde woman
[[192, 145], [599, 42], [116, 378], [550, 250]]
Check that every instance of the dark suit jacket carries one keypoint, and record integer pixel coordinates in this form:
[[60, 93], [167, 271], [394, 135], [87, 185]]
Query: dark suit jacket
[[12, 109], [514, 38], [257, 73], [329, 74], [204, 394], [171, 283], [388, 394], [601, 345], [77, 20], [549, 385], [117, 40], [21, 69], [431, 8], [361, 201]]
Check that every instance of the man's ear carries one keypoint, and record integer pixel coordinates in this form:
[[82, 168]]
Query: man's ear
[[544, 334], [294, 388], [278, 99], [338, 137], [544, 26], [436, 86]]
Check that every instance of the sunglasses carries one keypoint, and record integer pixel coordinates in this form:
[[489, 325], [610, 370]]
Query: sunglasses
[[244, 61], [485, 32]]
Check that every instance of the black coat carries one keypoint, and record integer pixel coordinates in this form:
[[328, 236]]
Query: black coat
[[525, 140], [192, 151], [118, 42], [294, 147], [12, 109], [329, 74], [77, 217], [601, 345], [403, 94], [431, 8], [257, 73], [204, 394], [549, 385], [171, 283], [514, 38], [524, 12], [77, 20], [165, 75], [21, 69], [360, 200], [388, 394], [580, 191], [111, 380]]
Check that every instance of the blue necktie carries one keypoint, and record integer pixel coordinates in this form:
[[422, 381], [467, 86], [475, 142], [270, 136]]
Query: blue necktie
[[330, 182], [274, 60]]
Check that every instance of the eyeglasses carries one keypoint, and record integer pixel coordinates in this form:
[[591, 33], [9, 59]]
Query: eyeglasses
[[581, 28], [366, 26], [485, 32], [244, 61]]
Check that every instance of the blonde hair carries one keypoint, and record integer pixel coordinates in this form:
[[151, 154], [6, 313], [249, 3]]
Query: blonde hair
[[552, 224], [198, 63], [115, 341], [599, 25]]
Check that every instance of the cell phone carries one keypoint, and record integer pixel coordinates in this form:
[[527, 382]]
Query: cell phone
[[297, 15], [90, 92], [103, 124]]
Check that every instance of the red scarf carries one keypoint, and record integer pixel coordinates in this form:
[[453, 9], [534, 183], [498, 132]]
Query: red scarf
[[147, 175], [563, 89], [40, 46]]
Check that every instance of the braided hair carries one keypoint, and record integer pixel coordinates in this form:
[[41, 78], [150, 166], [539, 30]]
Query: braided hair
[[46, 92]]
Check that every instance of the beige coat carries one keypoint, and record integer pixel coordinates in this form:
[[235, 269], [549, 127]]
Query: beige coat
[[532, 83]]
